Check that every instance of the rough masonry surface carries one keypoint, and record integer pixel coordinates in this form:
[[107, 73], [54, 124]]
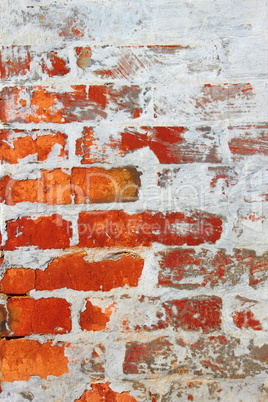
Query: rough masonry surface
[[133, 201]]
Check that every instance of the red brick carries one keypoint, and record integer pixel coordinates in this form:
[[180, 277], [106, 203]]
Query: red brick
[[21, 359], [154, 357], [169, 144], [116, 228], [17, 281], [53, 65], [44, 104], [174, 145], [258, 272], [224, 174], [94, 318], [53, 187], [248, 140], [43, 232], [103, 392], [74, 272], [14, 191], [17, 144], [244, 316], [98, 185], [245, 319], [194, 314], [188, 269], [200, 313], [14, 61], [208, 357], [43, 316]]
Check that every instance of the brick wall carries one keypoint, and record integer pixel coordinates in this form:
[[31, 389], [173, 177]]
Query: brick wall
[[133, 198]]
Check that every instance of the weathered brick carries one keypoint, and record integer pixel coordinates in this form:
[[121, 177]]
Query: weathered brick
[[169, 144], [258, 271], [44, 104], [200, 313], [38, 144], [98, 185], [43, 316], [153, 63], [171, 21], [102, 391], [94, 318], [112, 228], [17, 281], [246, 314], [93, 362], [210, 102], [14, 61], [75, 272], [190, 389], [210, 356], [247, 140], [53, 187], [95, 185], [188, 269], [53, 65], [43, 232], [153, 357], [17, 61], [221, 357], [21, 359]]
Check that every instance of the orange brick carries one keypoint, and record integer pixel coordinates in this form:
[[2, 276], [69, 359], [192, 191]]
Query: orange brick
[[93, 318], [99, 185], [18, 281], [52, 188], [103, 392], [43, 316], [43, 232], [74, 272], [44, 104], [21, 359], [117, 228], [15, 145]]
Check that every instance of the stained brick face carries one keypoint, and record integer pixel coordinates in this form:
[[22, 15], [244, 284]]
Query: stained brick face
[[133, 201]]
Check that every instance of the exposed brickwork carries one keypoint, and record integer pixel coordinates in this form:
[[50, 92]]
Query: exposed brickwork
[[118, 228], [43, 104], [27, 316], [188, 269], [195, 314], [56, 187], [75, 272], [17, 145], [133, 201], [21, 359], [43, 232]]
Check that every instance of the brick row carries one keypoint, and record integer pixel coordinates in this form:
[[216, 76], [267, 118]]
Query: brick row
[[114, 228], [56, 187]]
